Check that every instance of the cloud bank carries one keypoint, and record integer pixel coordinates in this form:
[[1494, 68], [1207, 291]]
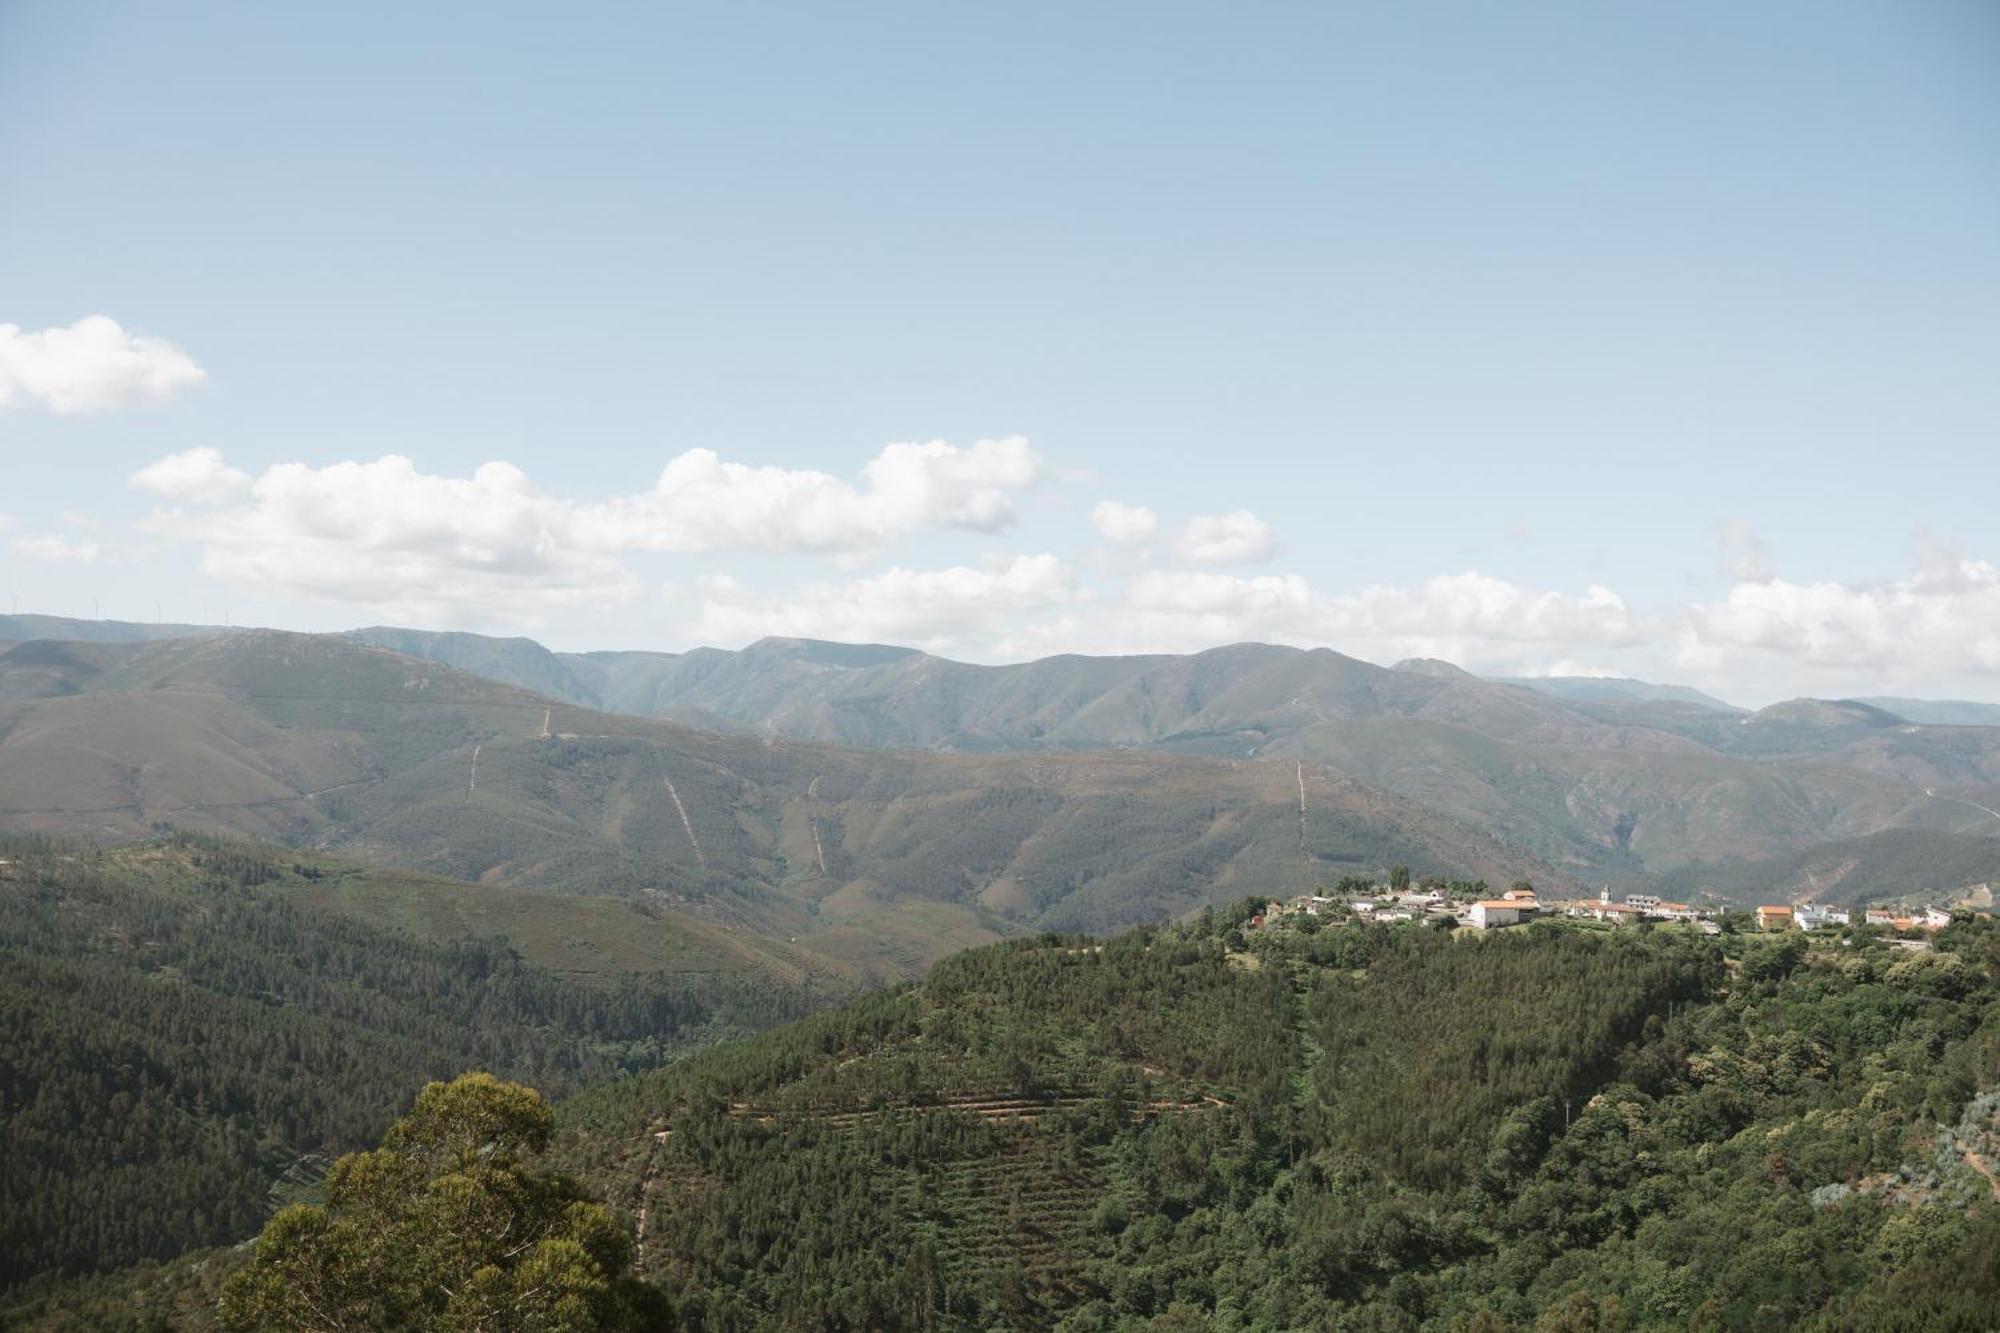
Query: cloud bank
[[402, 542], [939, 609], [493, 548], [387, 537], [1944, 617], [1769, 637]]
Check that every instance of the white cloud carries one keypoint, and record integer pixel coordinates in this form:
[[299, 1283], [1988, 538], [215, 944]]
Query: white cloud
[[405, 543], [385, 536], [93, 365], [198, 476], [1235, 538], [703, 504], [1472, 611], [1765, 638], [1742, 554], [954, 609], [1572, 669], [1123, 524], [1942, 620], [491, 547], [1282, 595], [1481, 622], [57, 550]]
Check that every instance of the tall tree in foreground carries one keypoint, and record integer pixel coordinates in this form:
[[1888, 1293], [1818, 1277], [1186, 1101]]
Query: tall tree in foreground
[[446, 1226]]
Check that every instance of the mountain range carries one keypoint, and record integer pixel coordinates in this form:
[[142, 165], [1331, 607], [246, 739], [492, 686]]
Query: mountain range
[[875, 862], [1567, 780], [1609, 780], [338, 867]]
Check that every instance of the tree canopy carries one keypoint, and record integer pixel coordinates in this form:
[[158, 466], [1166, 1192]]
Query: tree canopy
[[449, 1225]]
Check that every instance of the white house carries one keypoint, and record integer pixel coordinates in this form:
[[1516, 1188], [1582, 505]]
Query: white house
[[1493, 913]]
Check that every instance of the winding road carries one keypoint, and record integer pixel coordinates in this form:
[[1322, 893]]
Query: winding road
[[1984, 809]]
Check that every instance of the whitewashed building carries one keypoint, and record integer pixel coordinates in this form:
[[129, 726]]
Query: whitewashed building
[[1493, 913]]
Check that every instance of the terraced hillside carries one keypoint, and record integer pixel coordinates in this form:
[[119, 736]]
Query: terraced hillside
[[1387, 1128], [874, 862]]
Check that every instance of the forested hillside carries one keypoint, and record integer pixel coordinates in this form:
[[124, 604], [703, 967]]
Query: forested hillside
[[1381, 1128], [1357, 1128], [186, 1033]]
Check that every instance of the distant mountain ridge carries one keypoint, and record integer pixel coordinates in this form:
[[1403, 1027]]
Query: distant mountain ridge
[[646, 682], [874, 862], [1940, 712], [1606, 689], [1619, 780], [1603, 781], [24, 629]]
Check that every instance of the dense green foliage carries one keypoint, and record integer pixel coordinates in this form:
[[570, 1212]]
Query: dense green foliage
[[179, 1044], [1211, 1126], [1494, 1030], [449, 1226], [1365, 1128]]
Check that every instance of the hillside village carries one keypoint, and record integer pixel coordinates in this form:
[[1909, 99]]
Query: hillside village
[[1473, 906]]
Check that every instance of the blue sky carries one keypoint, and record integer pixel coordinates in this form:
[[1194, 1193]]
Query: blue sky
[[1645, 338]]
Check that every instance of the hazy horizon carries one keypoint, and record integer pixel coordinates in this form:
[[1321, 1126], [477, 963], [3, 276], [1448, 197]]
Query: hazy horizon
[[1572, 340], [591, 647]]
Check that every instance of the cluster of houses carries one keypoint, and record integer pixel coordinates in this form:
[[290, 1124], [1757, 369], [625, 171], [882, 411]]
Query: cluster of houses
[[1639, 907], [1520, 905], [1380, 904], [1385, 905], [1811, 916], [1423, 904]]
